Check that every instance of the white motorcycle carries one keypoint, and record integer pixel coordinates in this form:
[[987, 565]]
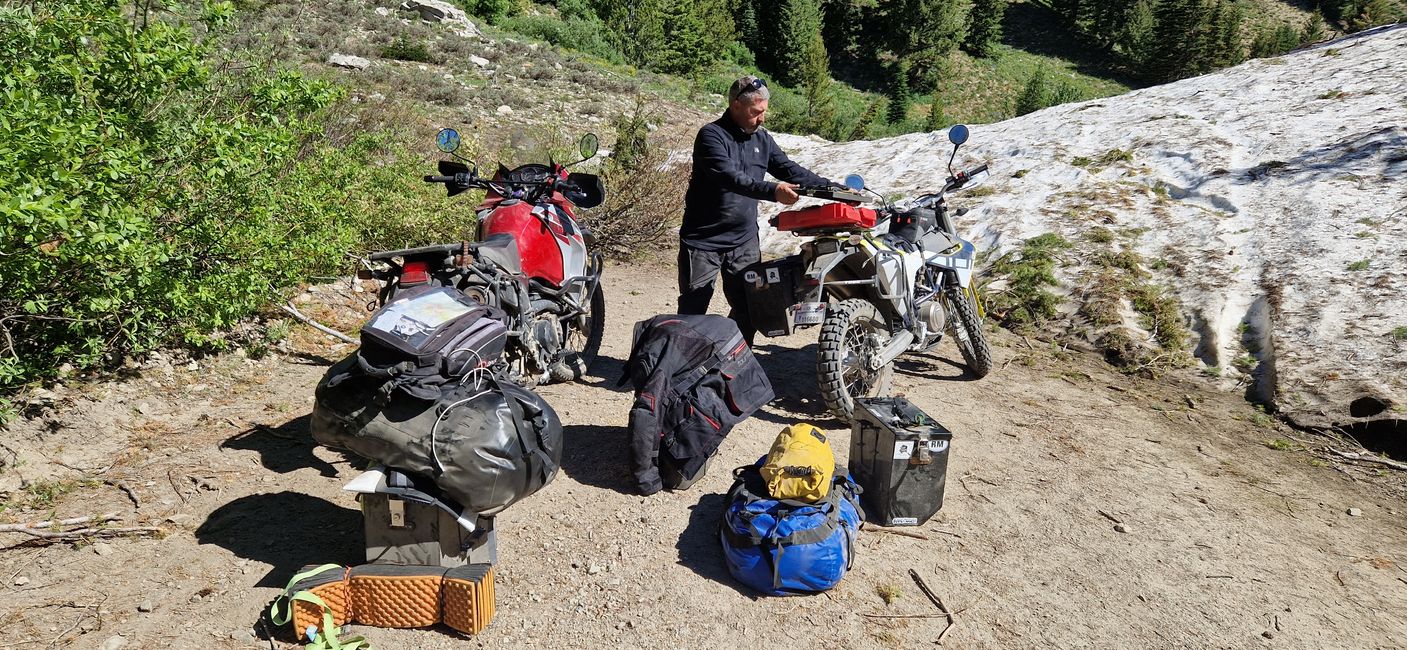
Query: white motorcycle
[[875, 295]]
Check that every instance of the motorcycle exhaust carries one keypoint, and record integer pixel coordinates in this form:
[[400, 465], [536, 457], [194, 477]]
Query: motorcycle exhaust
[[896, 347]]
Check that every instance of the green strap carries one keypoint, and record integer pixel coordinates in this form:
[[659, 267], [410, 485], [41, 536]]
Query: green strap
[[325, 639], [283, 617]]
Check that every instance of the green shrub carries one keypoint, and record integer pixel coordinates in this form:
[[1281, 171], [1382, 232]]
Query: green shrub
[[404, 49], [582, 35], [152, 195], [1026, 300]]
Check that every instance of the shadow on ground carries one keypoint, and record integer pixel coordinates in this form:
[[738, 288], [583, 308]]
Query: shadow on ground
[[605, 373], [283, 449], [699, 550], [598, 456], [792, 372], [286, 530]]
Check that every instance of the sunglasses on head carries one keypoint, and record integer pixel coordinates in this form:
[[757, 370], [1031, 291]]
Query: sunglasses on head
[[756, 84]]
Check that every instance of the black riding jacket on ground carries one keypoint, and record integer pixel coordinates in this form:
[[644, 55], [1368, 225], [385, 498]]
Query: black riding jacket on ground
[[694, 378], [720, 208]]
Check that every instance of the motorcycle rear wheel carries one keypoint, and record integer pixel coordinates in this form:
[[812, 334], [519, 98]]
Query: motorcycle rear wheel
[[968, 334], [853, 332], [575, 364]]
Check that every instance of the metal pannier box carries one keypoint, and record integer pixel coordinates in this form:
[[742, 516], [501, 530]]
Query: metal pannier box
[[899, 456], [771, 289]]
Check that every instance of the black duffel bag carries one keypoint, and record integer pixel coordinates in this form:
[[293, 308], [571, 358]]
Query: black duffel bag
[[486, 441]]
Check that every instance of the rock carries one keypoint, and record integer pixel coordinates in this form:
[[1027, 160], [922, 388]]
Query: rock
[[479, 61], [193, 366], [21, 581], [1355, 512], [348, 61], [593, 569], [115, 642], [436, 11], [102, 548], [504, 110], [1121, 528], [244, 636], [373, 97], [145, 607], [383, 11]]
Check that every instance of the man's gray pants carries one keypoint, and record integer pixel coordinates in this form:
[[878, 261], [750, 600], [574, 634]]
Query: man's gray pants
[[699, 268]]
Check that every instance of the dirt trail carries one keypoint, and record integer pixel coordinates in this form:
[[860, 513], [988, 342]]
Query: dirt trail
[[1229, 542]]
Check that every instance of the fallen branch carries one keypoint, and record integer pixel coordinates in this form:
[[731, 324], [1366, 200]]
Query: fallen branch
[[131, 494], [84, 533], [903, 533], [1367, 458], [40, 525], [903, 615], [172, 480], [937, 602], [293, 311]]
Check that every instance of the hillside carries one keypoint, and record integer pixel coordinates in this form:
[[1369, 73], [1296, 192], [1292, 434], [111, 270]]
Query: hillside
[[1265, 198]]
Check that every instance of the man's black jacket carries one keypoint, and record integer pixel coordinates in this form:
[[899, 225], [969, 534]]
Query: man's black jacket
[[694, 378], [720, 208]]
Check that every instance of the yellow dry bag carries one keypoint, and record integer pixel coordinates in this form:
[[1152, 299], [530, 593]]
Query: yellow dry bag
[[800, 465]]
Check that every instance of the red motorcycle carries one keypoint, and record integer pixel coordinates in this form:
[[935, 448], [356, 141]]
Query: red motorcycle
[[532, 259]]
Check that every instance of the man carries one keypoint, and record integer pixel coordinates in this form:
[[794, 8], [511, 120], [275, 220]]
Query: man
[[731, 155]]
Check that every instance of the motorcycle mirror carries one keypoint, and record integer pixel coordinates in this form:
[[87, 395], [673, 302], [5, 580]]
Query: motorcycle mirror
[[447, 140], [855, 182], [590, 144], [957, 134]]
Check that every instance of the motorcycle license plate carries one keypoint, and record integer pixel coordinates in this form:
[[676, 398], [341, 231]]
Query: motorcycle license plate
[[809, 313]]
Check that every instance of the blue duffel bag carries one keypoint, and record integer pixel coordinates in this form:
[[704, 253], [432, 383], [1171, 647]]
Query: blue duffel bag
[[785, 548]]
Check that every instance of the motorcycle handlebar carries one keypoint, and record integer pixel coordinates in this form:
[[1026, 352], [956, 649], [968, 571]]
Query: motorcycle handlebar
[[439, 179]]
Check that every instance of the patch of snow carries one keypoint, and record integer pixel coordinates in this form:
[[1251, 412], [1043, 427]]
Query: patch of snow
[[1277, 184]]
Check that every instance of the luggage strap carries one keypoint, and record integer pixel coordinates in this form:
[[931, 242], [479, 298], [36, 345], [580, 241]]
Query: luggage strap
[[325, 639], [690, 378]]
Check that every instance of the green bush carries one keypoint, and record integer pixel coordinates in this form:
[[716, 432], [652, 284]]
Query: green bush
[[583, 35], [404, 49], [145, 194]]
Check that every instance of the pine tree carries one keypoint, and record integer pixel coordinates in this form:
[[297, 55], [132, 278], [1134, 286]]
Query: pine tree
[[636, 27], [984, 30], [683, 48], [820, 104], [925, 32], [936, 118], [861, 129], [1135, 39], [748, 31], [796, 23], [1314, 29], [899, 94], [1177, 39], [1371, 13], [1036, 94]]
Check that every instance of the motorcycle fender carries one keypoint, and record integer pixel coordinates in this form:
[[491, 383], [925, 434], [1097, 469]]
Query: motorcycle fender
[[962, 263]]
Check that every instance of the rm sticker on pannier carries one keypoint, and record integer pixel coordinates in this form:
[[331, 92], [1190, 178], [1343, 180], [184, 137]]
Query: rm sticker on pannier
[[904, 450]]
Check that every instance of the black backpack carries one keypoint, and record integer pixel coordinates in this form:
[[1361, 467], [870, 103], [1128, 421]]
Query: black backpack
[[426, 337]]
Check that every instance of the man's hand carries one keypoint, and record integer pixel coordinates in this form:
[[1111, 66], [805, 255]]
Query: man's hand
[[786, 194]]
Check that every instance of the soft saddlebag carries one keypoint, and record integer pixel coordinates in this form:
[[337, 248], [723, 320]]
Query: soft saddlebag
[[782, 547]]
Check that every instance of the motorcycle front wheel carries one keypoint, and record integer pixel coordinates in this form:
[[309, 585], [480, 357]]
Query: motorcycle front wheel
[[852, 335], [582, 342], [968, 333]]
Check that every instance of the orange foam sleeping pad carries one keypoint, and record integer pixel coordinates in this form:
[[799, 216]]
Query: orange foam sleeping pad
[[397, 596]]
